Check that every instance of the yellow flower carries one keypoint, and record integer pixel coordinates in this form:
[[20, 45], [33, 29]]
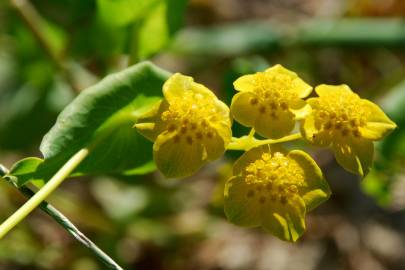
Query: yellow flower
[[274, 189], [347, 124], [270, 101], [189, 127]]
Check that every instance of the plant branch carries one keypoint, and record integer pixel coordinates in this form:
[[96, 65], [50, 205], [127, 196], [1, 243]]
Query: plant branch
[[74, 231], [44, 192], [65, 223], [36, 24], [246, 143]]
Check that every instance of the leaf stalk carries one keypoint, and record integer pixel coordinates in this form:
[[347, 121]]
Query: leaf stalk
[[246, 143], [44, 192]]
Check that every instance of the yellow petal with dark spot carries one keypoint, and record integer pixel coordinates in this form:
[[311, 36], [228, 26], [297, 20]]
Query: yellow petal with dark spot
[[245, 108], [240, 205], [177, 156]]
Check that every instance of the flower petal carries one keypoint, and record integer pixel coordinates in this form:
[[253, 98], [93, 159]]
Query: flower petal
[[176, 86], [313, 102], [326, 89], [240, 205], [311, 131], [224, 131], [317, 190], [245, 83], [214, 146], [297, 85], [179, 85], [378, 124], [175, 156], [221, 108], [150, 124], [302, 111], [254, 154], [355, 156], [308, 129], [287, 222], [242, 109], [275, 127], [205, 93], [248, 157], [296, 217], [276, 224]]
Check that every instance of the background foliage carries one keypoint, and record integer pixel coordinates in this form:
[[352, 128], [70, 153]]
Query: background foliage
[[51, 50]]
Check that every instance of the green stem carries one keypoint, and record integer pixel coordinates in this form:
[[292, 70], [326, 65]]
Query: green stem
[[35, 23], [134, 54], [252, 133], [74, 231], [65, 223], [44, 192], [288, 138], [246, 143]]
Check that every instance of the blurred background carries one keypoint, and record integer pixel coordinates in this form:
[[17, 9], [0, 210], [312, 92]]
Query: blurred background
[[51, 50]]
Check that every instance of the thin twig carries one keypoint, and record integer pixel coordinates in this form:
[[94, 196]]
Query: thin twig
[[73, 230], [35, 23], [66, 224]]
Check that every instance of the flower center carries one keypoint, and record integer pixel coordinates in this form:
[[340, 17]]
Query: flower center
[[191, 117], [275, 178], [341, 114], [272, 94]]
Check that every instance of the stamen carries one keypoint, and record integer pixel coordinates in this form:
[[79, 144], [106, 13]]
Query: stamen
[[253, 101], [262, 200], [328, 125], [183, 129], [189, 140], [343, 114], [284, 106], [171, 127], [262, 109], [356, 133], [199, 135], [345, 132], [276, 176]]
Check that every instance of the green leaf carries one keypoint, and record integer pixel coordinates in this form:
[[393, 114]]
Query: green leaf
[[153, 22], [377, 185], [228, 40], [393, 104], [123, 12], [352, 31], [156, 30], [258, 36], [144, 169], [390, 151], [25, 166], [25, 169], [101, 118]]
